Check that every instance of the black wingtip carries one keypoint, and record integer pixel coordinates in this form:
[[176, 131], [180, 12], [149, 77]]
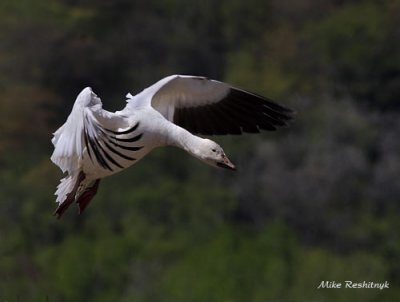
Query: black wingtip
[[238, 112]]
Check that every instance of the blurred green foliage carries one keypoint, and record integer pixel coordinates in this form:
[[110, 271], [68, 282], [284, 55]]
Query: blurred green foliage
[[319, 201]]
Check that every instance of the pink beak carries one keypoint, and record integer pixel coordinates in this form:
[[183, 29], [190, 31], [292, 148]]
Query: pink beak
[[226, 163]]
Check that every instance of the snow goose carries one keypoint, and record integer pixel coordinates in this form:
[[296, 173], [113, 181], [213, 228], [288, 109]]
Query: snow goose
[[94, 143]]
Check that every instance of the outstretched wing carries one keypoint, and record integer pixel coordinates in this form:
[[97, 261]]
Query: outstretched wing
[[209, 107], [88, 128]]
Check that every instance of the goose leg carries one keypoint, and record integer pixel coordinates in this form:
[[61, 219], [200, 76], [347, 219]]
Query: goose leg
[[87, 196]]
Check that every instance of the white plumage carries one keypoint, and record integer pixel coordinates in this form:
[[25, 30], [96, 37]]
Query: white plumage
[[94, 143]]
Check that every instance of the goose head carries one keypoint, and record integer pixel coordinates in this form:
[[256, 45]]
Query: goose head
[[212, 153]]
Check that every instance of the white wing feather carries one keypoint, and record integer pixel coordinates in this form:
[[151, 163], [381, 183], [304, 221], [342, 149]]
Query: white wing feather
[[179, 91], [68, 140]]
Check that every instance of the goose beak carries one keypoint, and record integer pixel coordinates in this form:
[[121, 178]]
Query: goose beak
[[226, 163]]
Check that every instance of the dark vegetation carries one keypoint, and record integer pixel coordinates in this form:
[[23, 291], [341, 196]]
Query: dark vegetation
[[318, 201]]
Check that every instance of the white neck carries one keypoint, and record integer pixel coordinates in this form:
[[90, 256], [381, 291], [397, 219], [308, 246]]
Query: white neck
[[183, 139]]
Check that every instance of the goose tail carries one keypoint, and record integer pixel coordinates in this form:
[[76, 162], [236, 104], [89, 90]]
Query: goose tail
[[66, 192]]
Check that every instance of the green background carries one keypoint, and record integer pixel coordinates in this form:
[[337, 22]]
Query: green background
[[318, 201]]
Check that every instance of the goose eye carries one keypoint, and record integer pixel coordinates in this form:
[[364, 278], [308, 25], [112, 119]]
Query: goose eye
[[213, 150]]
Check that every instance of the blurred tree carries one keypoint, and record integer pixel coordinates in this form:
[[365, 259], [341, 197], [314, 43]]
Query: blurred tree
[[320, 201]]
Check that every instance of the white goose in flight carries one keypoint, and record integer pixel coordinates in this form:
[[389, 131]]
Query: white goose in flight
[[94, 143]]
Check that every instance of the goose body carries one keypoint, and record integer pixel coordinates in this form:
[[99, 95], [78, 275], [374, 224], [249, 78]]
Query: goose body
[[94, 143]]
